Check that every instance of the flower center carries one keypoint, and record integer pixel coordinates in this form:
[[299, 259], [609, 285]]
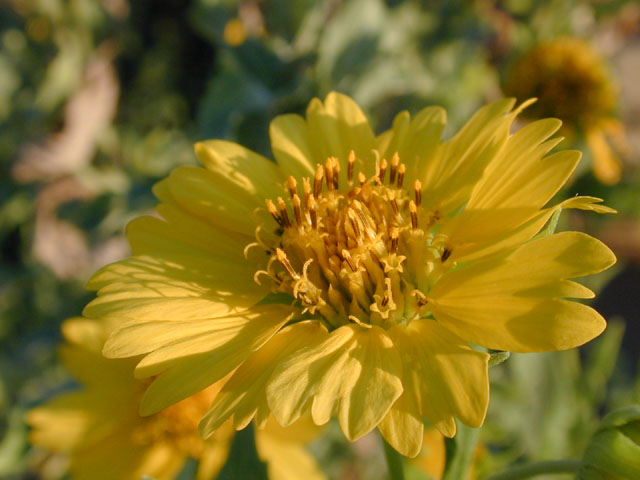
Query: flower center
[[365, 252], [178, 424]]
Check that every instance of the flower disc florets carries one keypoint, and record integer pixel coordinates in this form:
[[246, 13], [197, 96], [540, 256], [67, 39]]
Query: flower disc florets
[[361, 252]]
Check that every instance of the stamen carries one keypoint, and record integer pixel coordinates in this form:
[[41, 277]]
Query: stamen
[[336, 173], [328, 169], [291, 185], [391, 196], [446, 253], [311, 208], [395, 237], [362, 179], [282, 258], [347, 258], [283, 213], [383, 170], [417, 187], [317, 181], [395, 160], [414, 214], [401, 169], [297, 211], [306, 187], [351, 162], [273, 211], [422, 298]]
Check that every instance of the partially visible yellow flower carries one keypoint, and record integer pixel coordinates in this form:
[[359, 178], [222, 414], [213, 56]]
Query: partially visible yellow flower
[[101, 430], [391, 255], [571, 82]]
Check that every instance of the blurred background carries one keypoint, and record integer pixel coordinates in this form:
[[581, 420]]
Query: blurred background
[[99, 99]]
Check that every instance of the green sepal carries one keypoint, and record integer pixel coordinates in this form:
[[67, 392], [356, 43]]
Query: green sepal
[[497, 358]]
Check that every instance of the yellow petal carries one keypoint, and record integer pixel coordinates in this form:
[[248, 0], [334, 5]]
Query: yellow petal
[[353, 372], [460, 162], [605, 165], [185, 371], [415, 140], [519, 175], [447, 378], [291, 146], [502, 302], [243, 395], [62, 423], [475, 234], [337, 126], [224, 205], [179, 287], [286, 460], [402, 427], [178, 232], [250, 173]]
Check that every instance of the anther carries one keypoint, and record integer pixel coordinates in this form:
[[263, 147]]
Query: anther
[[395, 160], [351, 162], [283, 213], [282, 258], [297, 210], [336, 173], [273, 211], [317, 181], [306, 187], [417, 187], [347, 258], [362, 178], [385, 299], [446, 253], [383, 170], [311, 208], [291, 185], [414, 214], [401, 169]]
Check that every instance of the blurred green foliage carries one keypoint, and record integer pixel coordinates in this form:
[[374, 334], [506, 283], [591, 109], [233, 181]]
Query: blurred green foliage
[[101, 98]]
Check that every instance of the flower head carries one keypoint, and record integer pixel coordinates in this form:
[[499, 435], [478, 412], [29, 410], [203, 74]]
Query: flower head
[[572, 83], [105, 437], [377, 260]]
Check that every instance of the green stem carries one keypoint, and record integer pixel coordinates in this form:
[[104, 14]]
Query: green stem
[[394, 461], [540, 468], [460, 450]]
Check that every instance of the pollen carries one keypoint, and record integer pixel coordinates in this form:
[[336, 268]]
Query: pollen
[[354, 251]]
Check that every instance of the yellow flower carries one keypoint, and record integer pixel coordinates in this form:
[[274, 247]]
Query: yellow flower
[[101, 430], [391, 255], [572, 83]]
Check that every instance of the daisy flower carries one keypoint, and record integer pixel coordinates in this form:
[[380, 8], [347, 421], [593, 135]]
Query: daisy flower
[[357, 275]]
